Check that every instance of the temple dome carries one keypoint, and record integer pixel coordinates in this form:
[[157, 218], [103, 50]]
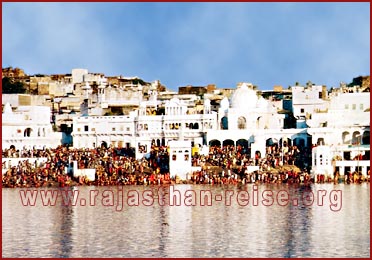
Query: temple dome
[[244, 98], [174, 102]]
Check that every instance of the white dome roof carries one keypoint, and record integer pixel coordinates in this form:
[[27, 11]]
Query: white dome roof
[[244, 98], [174, 102]]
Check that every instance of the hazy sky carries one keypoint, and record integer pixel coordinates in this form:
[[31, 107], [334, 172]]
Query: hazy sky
[[196, 44]]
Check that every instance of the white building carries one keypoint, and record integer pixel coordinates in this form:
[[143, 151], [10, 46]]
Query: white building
[[94, 131], [344, 110], [251, 121], [78, 75], [141, 130], [340, 121], [308, 100], [28, 127], [248, 111], [345, 130], [328, 160], [180, 159]]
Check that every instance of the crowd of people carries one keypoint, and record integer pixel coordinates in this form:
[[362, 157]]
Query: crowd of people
[[118, 166], [230, 177], [113, 167]]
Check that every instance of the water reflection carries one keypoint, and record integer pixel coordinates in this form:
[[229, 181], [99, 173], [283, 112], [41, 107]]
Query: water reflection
[[182, 231]]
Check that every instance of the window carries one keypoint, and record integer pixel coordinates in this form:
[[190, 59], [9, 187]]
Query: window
[[86, 128], [27, 132], [93, 129], [224, 123], [361, 106], [128, 129], [354, 106], [302, 110], [78, 129], [346, 106], [174, 157], [113, 129], [242, 122], [320, 95]]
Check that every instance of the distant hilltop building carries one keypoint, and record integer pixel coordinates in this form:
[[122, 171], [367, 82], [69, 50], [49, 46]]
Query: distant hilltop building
[[362, 82], [11, 72]]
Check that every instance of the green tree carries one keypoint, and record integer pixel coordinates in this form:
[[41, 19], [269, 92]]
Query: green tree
[[9, 87]]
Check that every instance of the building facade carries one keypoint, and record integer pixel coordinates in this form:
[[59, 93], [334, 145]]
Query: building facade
[[27, 128]]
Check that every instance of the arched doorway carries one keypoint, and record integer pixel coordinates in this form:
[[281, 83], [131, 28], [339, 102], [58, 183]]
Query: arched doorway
[[228, 142], [258, 122], [271, 142], [346, 137], [214, 142], [104, 144], [365, 139], [356, 138], [27, 132], [320, 141], [285, 141], [242, 145]]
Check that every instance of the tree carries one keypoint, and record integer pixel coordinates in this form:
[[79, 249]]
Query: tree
[[9, 87]]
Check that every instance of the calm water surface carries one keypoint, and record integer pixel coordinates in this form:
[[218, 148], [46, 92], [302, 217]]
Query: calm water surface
[[192, 231]]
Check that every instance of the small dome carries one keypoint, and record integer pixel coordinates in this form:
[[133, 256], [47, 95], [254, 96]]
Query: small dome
[[174, 102], [244, 98]]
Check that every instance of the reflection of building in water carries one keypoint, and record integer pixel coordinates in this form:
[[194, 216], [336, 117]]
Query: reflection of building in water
[[180, 222]]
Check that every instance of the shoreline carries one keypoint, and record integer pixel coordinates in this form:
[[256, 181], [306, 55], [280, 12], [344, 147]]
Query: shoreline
[[73, 183]]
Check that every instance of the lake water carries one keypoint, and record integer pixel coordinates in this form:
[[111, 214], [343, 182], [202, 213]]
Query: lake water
[[228, 228]]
